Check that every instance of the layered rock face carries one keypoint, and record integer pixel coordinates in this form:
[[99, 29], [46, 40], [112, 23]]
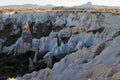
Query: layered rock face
[[83, 46]]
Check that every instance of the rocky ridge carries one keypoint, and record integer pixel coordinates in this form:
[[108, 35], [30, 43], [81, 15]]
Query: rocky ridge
[[84, 45]]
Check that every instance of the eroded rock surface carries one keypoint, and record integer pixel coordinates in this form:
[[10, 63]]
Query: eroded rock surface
[[85, 64], [75, 46]]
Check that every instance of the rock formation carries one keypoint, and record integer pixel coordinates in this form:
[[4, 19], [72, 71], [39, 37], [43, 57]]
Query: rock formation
[[75, 46], [86, 64], [23, 43]]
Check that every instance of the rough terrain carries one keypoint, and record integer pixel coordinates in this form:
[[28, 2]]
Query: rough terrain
[[72, 46]]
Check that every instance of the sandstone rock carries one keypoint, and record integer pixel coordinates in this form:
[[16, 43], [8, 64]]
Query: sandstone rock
[[34, 73], [59, 21], [44, 73], [65, 33], [76, 30], [90, 41], [79, 45], [96, 70], [27, 77], [116, 76], [22, 44], [19, 78], [98, 49], [35, 79]]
